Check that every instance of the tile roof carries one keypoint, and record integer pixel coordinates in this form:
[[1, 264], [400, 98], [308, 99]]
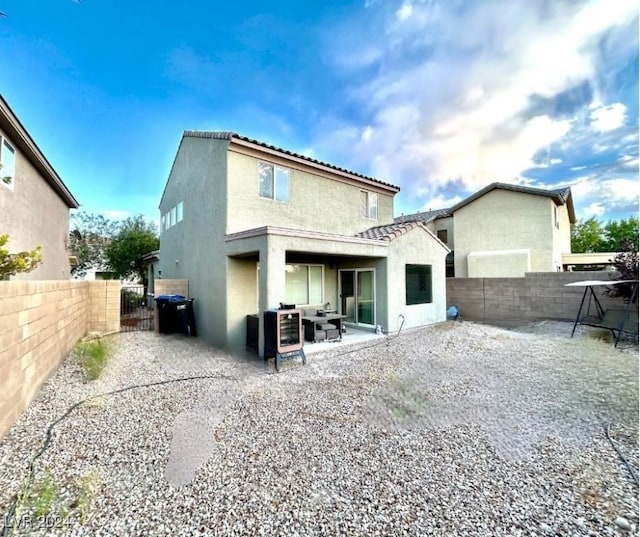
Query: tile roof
[[425, 217], [390, 231], [228, 135]]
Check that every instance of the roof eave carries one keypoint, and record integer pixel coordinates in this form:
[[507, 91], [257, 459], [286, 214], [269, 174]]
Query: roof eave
[[19, 135]]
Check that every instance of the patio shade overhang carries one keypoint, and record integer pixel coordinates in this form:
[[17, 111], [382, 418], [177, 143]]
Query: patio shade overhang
[[253, 240]]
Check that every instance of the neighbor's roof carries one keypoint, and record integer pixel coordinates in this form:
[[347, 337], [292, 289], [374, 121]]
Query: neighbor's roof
[[560, 196], [232, 136], [424, 217], [18, 136]]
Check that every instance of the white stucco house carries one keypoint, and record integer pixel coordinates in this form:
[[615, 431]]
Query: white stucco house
[[504, 230], [252, 226]]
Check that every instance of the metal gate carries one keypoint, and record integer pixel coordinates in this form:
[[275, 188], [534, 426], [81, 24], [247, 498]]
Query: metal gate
[[136, 309]]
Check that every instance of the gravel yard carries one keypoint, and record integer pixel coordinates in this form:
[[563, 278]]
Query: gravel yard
[[454, 429]]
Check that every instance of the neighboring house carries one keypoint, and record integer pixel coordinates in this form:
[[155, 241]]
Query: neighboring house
[[34, 202], [252, 226], [504, 231]]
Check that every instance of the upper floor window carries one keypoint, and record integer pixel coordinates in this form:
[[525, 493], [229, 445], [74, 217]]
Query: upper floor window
[[556, 222], [369, 204], [442, 235], [8, 162], [274, 182], [172, 217]]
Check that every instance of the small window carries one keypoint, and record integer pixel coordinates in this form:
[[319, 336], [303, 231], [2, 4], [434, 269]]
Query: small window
[[274, 182], [555, 217], [418, 284], [369, 204], [8, 161], [172, 221], [180, 212], [442, 235], [163, 222]]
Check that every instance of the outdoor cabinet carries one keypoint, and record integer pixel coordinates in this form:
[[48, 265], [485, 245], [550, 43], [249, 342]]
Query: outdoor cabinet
[[283, 335]]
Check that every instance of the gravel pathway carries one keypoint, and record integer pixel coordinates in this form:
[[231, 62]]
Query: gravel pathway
[[453, 429]]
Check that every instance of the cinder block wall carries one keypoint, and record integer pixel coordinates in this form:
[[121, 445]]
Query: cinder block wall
[[104, 306], [169, 287], [40, 322], [512, 301]]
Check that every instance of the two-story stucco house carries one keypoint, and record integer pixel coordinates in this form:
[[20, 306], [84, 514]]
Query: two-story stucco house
[[504, 230], [252, 226], [34, 202]]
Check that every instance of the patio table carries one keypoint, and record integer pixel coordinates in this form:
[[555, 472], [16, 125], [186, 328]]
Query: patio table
[[311, 322]]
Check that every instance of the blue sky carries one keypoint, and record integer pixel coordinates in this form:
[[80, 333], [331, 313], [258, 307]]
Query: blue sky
[[440, 97]]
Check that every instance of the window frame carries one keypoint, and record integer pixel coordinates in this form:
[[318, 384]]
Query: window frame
[[411, 270], [308, 266], [4, 142], [276, 171], [369, 209]]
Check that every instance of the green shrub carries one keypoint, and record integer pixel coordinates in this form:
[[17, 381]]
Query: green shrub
[[93, 356], [130, 300], [43, 495]]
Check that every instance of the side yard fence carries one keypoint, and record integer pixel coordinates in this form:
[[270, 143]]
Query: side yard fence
[[40, 322], [512, 301]]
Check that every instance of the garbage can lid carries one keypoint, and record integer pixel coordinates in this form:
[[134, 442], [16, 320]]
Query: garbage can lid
[[170, 297]]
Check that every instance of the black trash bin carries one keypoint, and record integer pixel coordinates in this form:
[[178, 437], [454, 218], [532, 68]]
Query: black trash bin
[[167, 317], [175, 315], [185, 319]]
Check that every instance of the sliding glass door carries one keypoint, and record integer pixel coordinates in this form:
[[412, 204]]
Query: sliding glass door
[[357, 296]]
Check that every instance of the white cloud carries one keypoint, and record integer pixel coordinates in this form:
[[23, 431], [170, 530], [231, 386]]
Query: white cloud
[[404, 12], [594, 209], [451, 95], [608, 118], [594, 195], [116, 214], [441, 202]]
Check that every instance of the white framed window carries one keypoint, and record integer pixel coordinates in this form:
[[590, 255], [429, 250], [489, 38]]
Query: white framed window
[[172, 221], [8, 161], [304, 284], [369, 204], [273, 182], [179, 212], [163, 222]]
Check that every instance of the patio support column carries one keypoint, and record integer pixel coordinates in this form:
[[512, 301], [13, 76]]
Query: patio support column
[[271, 282]]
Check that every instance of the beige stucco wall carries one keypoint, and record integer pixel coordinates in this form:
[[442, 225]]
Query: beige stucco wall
[[316, 202], [506, 220], [32, 214], [420, 248], [443, 223], [499, 263], [561, 237], [39, 324]]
